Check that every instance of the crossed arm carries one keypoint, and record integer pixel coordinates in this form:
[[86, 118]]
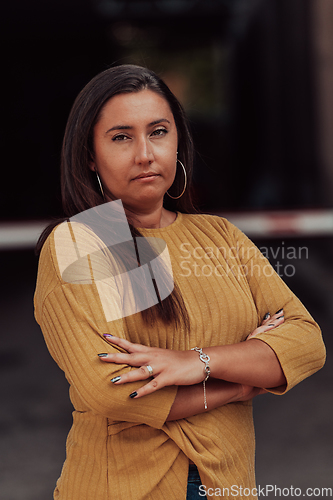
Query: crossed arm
[[238, 371]]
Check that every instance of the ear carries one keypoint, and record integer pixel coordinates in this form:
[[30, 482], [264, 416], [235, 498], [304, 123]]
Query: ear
[[92, 166]]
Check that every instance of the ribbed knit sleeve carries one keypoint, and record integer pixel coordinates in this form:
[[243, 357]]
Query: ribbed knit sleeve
[[73, 321], [297, 343]]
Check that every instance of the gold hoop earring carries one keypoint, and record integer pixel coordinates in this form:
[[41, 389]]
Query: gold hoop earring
[[100, 184], [181, 194]]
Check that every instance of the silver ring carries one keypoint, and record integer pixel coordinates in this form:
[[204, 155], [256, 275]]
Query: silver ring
[[149, 368]]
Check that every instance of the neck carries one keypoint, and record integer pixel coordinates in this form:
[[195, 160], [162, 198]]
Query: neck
[[156, 218]]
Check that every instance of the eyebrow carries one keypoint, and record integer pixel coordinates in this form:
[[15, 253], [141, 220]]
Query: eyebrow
[[128, 127]]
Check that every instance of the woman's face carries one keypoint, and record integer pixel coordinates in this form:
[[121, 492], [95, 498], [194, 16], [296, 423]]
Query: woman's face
[[135, 147]]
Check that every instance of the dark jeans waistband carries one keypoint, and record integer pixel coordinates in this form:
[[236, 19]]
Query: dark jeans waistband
[[194, 484], [193, 474]]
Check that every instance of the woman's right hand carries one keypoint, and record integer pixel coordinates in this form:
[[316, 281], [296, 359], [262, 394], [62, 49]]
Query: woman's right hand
[[269, 323]]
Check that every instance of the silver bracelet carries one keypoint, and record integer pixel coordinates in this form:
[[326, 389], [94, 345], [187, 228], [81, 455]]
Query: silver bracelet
[[205, 359]]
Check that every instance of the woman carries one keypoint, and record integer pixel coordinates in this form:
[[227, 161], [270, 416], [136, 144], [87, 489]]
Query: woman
[[158, 388]]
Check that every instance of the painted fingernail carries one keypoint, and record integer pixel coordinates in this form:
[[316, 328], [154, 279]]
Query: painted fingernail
[[107, 335], [133, 394], [277, 312], [271, 324], [280, 317], [115, 379], [103, 355], [267, 315]]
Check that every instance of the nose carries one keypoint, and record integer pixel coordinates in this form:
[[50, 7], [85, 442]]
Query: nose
[[144, 154]]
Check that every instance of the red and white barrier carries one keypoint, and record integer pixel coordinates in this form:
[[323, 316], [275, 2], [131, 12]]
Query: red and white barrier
[[297, 223], [20, 235], [283, 223]]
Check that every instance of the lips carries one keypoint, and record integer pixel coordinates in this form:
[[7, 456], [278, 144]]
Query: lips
[[144, 175]]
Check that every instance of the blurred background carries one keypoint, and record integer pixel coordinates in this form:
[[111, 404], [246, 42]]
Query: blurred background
[[256, 79]]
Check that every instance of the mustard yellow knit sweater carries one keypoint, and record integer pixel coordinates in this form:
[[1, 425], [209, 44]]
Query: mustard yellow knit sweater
[[123, 449]]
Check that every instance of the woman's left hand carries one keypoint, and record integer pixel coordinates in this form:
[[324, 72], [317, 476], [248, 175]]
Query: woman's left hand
[[169, 367], [268, 323]]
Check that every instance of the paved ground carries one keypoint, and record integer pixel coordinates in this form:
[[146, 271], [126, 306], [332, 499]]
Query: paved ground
[[294, 432]]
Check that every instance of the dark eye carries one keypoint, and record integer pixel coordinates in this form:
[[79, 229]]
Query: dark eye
[[160, 131], [120, 137]]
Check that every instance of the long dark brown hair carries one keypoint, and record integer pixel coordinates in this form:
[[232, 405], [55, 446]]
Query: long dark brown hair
[[79, 187]]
